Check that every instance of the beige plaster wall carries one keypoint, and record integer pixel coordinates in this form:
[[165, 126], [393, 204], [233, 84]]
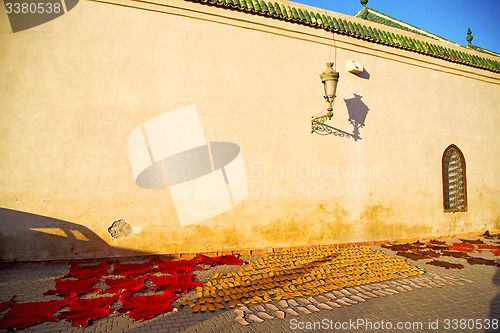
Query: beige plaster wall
[[74, 89]]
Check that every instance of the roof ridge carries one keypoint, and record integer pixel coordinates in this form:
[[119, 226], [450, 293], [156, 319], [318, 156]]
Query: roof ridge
[[427, 33], [482, 49], [344, 25]]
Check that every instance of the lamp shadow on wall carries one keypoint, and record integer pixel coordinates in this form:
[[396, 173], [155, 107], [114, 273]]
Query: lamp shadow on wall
[[357, 111], [27, 237]]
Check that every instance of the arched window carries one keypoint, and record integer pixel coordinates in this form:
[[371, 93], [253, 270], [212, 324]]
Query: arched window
[[454, 181]]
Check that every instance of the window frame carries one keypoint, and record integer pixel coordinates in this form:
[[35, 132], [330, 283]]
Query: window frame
[[464, 177]]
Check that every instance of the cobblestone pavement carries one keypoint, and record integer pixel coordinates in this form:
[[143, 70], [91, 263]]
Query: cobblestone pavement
[[440, 300]]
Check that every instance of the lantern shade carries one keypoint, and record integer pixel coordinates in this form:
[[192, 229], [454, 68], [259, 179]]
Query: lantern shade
[[330, 77], [330, 88]]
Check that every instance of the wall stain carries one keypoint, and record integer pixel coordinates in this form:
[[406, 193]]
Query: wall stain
[[378, 223]]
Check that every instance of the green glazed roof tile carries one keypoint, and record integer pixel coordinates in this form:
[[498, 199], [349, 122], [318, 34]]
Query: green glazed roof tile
[[319, 20], [425, 46], [405, 42], [379, 34], [440, 51], [282, 10], [446, 53], [256, 5], [465, 57], [277, 7], [383, 36], [432, 47], [411, 41], [391, 38], [306, 16], [363, 31], [327, 23], [346, 27], [334, 23], [271, 9], [313, 18], [240, 3], [263, 7], [367, 32], [249, 4], [360, 30], [408, 43], [387, 36], [341, 25], [349, 27], [289, 13], [357, 29], [394, 39], [474, 59], [401, 41], [370, 32], [421, 46], [301, 15]]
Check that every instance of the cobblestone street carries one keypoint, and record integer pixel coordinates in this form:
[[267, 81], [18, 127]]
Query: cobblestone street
[[439, 300]]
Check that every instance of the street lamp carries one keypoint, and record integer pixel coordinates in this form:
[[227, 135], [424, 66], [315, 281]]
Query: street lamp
[[330, 78]]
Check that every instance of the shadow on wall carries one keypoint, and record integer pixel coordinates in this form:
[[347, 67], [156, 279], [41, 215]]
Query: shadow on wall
[[495, 302], [25, 237], [357, 113], [363, 75]]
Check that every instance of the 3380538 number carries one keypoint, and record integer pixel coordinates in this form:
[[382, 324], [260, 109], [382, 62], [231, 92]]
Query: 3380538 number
[[471, 324], [32, 8]]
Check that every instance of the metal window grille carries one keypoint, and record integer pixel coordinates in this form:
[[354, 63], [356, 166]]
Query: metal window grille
[[454, 187]]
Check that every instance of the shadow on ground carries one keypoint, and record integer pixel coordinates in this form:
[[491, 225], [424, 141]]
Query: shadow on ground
[[495, 302], [177, 320]]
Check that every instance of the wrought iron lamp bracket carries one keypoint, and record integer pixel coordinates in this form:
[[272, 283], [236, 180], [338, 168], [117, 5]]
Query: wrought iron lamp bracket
[[318, 126]]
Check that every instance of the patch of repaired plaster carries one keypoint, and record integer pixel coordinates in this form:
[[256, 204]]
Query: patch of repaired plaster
[[120, 229]]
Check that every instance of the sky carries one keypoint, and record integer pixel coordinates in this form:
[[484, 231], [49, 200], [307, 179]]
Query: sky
[[446, 18]]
